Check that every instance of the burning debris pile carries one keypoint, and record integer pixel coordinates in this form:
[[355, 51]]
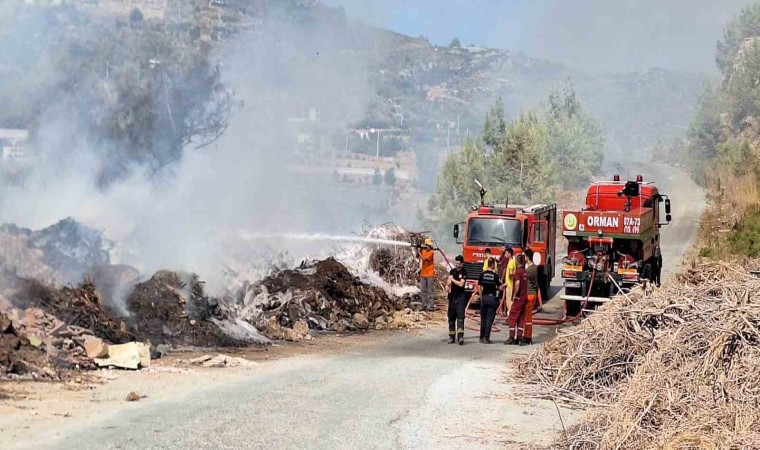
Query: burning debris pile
[[18, 357], [173, 309], [676, 367], [76, 306], [68, 326], [322, 295], [396, 265]]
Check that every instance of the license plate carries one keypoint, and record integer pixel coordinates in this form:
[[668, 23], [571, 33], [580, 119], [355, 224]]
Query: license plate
[[572, 284]]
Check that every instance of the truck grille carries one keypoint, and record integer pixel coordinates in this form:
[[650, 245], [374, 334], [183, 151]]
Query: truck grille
[[473, 270]]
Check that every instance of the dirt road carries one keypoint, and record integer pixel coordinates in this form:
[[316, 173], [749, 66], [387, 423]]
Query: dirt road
[[381, 390]]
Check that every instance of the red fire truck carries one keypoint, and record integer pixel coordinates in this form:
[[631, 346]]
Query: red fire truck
[[492, 225], [613, 242]]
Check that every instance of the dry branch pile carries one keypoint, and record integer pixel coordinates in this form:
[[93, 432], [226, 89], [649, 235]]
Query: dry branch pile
[[676, 367], [396, 265]]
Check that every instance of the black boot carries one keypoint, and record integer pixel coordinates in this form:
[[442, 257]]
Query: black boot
[[526, 341], [460, 338], [451, 339], [511, 341]]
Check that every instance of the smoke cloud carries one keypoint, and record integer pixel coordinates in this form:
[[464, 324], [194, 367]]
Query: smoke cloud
[[294, 82]]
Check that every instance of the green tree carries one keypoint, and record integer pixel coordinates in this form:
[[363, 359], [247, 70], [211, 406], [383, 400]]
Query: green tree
[[455, 43], [575, 139], [522, 170], [495, 126], [705, 133], [745, 25]]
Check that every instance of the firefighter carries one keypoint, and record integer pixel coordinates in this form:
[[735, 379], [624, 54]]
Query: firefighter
[[488, 255], [457, 301], [657, 266], [519, 302], [427, 276], [507, 261], [488, 285], [534, 293]]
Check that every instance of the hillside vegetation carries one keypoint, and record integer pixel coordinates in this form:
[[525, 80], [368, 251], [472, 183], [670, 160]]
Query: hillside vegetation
[[145, 86], [522, 161], [722, 150]]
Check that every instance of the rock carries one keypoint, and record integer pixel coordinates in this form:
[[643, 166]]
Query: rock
[[381, 325], [274, 330], [193, 322], [201, 359], [95, 347], [134, 397], [301, 328], [292, 335], [162, 350], [361, 321], [35, 341], [220, 361], [416, 306], [126, 356], [144, 351], [339, 326], [217, 361]]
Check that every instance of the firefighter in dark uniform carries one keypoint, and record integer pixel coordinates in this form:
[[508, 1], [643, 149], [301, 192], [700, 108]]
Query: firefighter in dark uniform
[[457, 301], [657, 266], [488, 285]]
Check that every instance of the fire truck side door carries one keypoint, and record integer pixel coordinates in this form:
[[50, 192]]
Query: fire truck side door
[[538, 238]]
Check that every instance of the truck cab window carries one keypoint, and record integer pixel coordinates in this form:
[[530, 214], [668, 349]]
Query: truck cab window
[[494, 232]]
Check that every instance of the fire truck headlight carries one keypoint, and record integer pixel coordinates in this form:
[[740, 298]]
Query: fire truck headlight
[[599, 266], [599, 232]]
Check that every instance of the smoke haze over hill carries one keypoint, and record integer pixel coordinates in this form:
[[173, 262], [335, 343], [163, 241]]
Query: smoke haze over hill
[[592, 35]]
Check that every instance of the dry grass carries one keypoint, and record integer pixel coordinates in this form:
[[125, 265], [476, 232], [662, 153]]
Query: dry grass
[[675, 368]]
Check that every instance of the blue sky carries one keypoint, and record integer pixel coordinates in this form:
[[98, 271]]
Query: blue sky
[[594, 35]]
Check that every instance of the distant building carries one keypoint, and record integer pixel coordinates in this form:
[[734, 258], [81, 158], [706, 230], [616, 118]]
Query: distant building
[[13, 143]]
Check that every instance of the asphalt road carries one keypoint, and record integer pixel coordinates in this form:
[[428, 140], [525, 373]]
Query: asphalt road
[[409, 391], [402, 394]]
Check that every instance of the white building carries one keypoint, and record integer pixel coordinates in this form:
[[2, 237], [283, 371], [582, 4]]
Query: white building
[[13, 143]]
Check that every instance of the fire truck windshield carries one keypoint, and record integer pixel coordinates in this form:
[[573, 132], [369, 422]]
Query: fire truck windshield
[[494, 232]]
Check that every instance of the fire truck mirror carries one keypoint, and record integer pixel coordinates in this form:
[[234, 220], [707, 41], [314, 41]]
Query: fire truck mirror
[[667, 208], [459, 232], [668, 218]]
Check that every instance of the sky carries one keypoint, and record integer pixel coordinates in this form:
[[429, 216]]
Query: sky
[[592, 35]]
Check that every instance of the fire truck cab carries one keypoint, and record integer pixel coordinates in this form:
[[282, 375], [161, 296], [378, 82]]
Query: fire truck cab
[[492, 226]]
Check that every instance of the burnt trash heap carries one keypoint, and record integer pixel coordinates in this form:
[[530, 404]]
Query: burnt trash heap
[[323, 296]]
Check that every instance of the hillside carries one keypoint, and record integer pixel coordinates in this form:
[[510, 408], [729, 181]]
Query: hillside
[[426, 96]]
